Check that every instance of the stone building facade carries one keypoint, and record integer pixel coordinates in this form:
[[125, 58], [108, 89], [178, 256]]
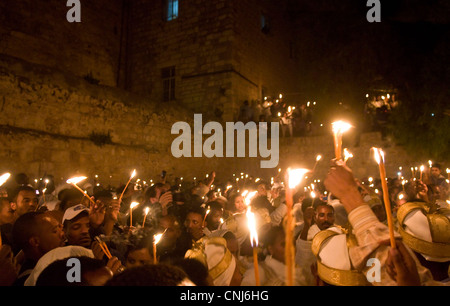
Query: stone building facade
[[88, 98], [222, 53]]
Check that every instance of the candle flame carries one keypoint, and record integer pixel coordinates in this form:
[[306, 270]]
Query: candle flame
[[252, 227], [4, 178], [296, 176], [157, 238], [347, 154], [318, 157], [422, 168], [379, 155], [133, 204], [248, 198], [147, 209], [340, 127], [133, 174], [76, 180]]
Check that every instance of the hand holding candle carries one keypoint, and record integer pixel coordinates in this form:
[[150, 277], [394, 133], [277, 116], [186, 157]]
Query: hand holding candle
[[379, 158]]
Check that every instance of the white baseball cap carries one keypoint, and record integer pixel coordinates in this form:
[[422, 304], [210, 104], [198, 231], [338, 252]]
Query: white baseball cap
[[74, 211]]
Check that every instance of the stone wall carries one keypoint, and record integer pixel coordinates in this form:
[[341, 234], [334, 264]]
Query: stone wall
[[220, 54], [38, 32], [60, 124]]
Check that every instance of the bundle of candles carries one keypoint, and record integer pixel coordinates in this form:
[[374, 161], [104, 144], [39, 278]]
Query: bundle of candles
[[104, 247]]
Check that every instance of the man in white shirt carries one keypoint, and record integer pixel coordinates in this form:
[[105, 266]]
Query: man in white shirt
[[315, 219]]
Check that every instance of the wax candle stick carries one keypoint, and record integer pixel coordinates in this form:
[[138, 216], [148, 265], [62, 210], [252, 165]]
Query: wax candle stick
[[132, 205], [74, 181], [133, 174], [156, 239], [379, 158], [206, 215], [339, 128], [293, 178], [318, 157], [147, 209], [254, 242]]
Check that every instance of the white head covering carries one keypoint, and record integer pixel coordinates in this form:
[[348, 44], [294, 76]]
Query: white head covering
[[54, 255], [221, 263], [416, 223], [333, 260], [334, 252]]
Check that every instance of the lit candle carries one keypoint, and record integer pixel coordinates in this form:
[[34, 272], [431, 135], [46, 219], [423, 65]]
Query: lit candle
[[293, 178], [147, 209], [4, 178], [206, 214], [379, 158], [339, 128], [156, 239], [318, 157], [448, 173], [74, 181], [313, 196], [132, 205], [254, 242], [347, 155], [248, 196], [133, 174], [421, 171]]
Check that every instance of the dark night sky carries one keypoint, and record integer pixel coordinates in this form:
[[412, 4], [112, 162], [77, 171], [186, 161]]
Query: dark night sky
[[343, 55]]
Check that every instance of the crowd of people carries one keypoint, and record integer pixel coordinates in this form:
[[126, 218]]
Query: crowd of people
[[294, 120], [302, 119], [196, 233]]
